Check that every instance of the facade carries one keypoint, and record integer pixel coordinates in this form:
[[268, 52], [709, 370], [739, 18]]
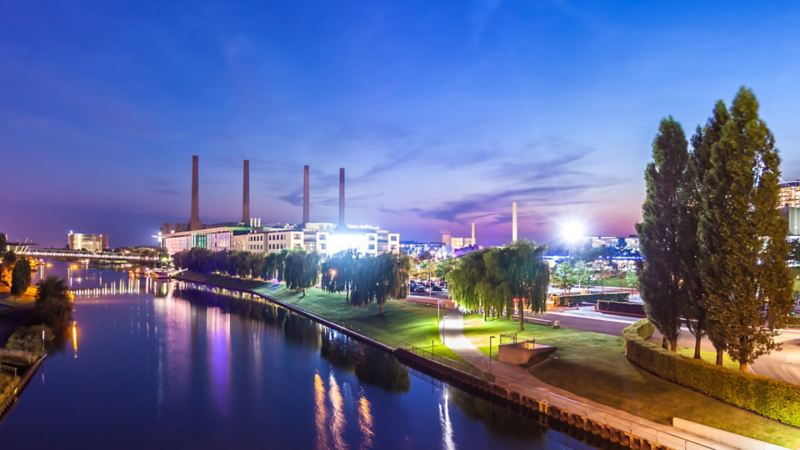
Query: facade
[[789, 194], [323, 238], [216, 238], [417, 249], [88, 242]]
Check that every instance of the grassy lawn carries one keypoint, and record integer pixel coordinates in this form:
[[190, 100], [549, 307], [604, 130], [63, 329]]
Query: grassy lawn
[[589, 364], [710, 357], [593, 365], [402, 322]]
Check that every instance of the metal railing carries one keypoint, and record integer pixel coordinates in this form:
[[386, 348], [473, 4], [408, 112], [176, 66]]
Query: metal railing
[[430, 353]]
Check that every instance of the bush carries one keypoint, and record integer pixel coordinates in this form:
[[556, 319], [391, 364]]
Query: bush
[[577, 299], [627, 308], [768, 397], [793, 322]]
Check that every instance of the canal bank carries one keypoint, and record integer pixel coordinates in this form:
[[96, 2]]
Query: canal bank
[[608, 423]]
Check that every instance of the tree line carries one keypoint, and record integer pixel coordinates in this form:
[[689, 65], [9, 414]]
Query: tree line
[[367, 279], [712, 237], [492, 280], [364, 279]]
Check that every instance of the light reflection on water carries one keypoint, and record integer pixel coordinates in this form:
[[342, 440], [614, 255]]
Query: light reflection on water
[[165, 366]]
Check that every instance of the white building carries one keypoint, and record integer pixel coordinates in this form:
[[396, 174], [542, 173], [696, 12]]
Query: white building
[[216, 238], [87, 242]]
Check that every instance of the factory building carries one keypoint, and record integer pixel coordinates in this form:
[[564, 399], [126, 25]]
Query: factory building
[[249, 235]]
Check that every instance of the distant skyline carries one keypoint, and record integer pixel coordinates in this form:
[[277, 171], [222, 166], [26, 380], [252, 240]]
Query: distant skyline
[[443, 113]]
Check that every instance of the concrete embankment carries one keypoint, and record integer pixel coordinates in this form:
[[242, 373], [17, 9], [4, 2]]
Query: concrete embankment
[[578, 421], [18, 385]]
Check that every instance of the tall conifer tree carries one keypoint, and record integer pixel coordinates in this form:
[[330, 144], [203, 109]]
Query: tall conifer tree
[[697, 319], [660, 276], [743, 237]]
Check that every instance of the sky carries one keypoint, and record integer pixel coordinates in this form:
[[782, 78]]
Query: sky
[[442, 113]]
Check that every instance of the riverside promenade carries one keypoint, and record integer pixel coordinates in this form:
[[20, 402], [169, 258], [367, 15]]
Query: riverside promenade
[[519, 379]]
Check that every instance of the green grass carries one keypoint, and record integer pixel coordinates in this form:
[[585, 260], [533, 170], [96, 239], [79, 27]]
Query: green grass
[[401, 323], [593, 365], [710, 357], [589, 364]]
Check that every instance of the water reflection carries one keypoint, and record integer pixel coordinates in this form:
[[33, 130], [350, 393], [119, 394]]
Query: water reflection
[[338, 420], [74, 335], [365, 420], [444, 420], [320, 412], [201, 369]]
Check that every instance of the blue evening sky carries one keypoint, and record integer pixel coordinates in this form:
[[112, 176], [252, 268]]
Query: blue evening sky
[[442, 112]]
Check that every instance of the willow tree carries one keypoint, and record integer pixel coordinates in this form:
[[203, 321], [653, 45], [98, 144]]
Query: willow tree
[[528, 277], [660, 275], [743, 236], [493, 280], [301, 270]]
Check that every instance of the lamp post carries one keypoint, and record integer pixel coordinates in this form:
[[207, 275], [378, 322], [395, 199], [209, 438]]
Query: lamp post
[[491, 338]]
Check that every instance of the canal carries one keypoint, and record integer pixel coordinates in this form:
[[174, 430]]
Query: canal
[[167, 365]]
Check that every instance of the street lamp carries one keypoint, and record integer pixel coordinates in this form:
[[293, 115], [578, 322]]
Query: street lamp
[[491, 338]]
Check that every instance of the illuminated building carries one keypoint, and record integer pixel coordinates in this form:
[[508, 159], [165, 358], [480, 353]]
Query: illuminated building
[[88, 242], [322, 237], [789, 194], [456, 243]]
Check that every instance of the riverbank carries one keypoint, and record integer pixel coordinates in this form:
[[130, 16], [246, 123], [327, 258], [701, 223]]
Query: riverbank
[[590, 363]]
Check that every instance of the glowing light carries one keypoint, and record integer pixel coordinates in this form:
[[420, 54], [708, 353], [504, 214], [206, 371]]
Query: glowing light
[[365, 420], [74, 339], [339, 242], [572, 231], [320, 412], [338, 420]]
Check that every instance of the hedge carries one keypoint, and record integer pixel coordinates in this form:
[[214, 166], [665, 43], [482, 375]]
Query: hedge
[[793, 322], [627, 308], [576, 299], [766, 396]]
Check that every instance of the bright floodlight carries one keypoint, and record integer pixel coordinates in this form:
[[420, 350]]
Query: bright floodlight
[[572, 232]]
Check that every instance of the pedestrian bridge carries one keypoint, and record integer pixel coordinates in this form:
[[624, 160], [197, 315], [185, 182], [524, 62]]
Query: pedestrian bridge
[[78, 254]]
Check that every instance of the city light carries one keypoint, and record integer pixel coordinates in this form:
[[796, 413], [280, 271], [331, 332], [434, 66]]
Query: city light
[[572, 231]]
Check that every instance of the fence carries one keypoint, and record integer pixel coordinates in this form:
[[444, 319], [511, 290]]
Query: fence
[[430, 354]]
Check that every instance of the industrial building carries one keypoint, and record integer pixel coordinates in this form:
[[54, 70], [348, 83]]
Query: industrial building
[[249, 235], [87, 242]]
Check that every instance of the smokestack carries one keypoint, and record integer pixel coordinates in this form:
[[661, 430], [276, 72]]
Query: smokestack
[[341, 196], [194, 220], [246, 192], [513, 222], [473, 233], [306, 181]]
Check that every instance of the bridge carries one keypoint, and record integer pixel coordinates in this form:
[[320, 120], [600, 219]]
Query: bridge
[[78, 254]]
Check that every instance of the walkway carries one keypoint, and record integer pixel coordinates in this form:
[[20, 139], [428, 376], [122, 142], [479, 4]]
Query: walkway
[[515, 378]]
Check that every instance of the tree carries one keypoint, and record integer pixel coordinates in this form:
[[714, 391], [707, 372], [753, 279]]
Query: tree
[[20, 276], [660, 274], [301, 270], [3, 242], [7, 264], [564, 276], [494, 279], [583, 273], [528, 277], [743, 236], [53, 304], [697, 319]]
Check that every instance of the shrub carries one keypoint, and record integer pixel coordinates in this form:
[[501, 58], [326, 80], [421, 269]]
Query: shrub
[[576, 299], [627, 308], [771, 398]]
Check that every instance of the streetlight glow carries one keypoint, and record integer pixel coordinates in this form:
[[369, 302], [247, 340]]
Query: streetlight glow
[[572, 232]]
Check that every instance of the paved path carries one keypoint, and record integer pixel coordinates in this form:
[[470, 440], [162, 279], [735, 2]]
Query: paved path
[[515, 378]]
